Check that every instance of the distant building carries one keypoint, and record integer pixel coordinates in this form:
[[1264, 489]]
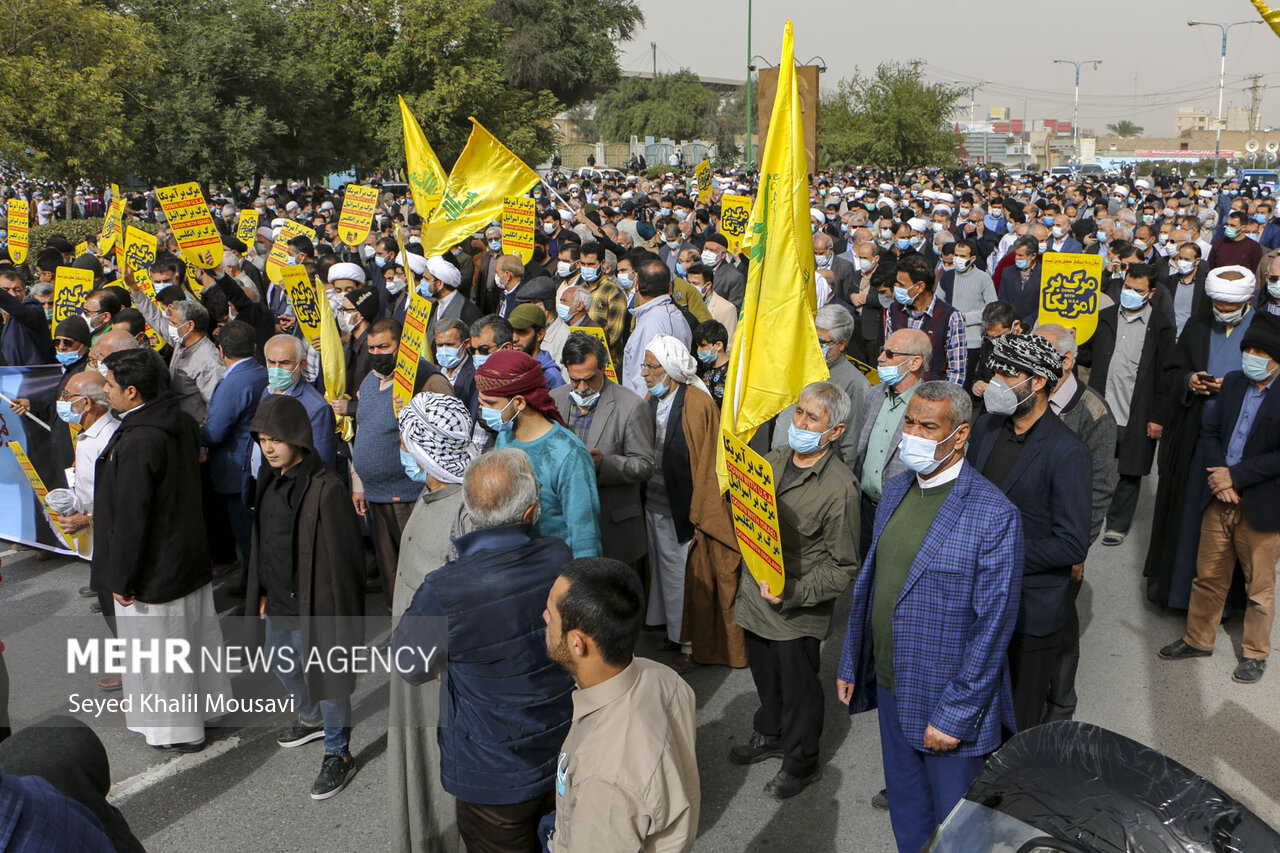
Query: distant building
[[1236, 118]]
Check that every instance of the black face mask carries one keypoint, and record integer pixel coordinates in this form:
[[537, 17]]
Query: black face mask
[[383, 362]]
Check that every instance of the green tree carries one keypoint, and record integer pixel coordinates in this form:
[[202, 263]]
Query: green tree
[[890, 119], [583, 119], [1124, 128], [675, 105], [567, 47], [67, 68]]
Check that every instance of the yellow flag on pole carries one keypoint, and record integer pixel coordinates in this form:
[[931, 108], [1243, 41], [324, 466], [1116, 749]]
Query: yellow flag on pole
[[1271, 16], [775, 346], [485, 174], [426, 175]]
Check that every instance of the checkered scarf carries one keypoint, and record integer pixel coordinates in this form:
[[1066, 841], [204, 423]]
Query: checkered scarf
[[438, 433], [1026, 354]]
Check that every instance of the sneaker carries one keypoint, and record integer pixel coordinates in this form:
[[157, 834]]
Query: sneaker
[[298, 734], [1113, 537], [183, 748], [784, 786], [86, 592], [758, 748], [1249, 670], [881, 800], [335, 773]]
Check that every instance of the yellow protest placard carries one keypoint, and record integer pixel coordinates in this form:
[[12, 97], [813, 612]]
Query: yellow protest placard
[[517, 227], [302, 296], [702, 174], [597, 332], [412, 343], [139, 255], [358, 205], [70, 287], [192, 224], [82, 248], [18, 214], [755, 511], [735, 213], [37, 485], [1069, 288], [278, 260], [247, 226], [111, 226]]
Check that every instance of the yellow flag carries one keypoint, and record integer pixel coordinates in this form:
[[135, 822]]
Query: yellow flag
[[1271, 16], [333, 360], [426, 175], [775, 347], [486, 172]]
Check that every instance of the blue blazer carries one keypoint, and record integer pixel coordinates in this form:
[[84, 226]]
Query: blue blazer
[[1070, 246], [952, 621], [226, 427], [1025, 299], [1051, 486], [1257, 474]]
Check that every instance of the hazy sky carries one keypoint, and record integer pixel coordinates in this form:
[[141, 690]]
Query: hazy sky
[[1151, 58]]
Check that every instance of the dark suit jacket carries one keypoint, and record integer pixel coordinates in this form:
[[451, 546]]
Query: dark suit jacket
[[623, 430], [1051, 485], [1257, 475], [1025, 298], [1070, 245]]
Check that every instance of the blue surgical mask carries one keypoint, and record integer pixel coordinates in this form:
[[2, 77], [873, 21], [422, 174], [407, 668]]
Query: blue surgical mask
[[563, 311], [902, 294], [1101, 235], [679, 269], [586, 401], [903, 243], [1131, 300], [658, 390], [67, 358], [495, 245], [1254, 366], [449, 357], [589, 273], [411, 469], [1022, 263], [624, 280], [478, 360], [424, 290], [708, 356], [1273, 290], [493, 418], [890, 374], [279, 378], [1260, 218], [1232, 232], [804, 440], [379, 261], [72, 417], [1047, 221], [918, 452]]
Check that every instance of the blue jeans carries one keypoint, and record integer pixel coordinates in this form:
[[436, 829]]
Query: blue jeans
[[922, 787], [335, 713]]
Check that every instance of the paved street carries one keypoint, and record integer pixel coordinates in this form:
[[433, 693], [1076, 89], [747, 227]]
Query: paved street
[[243, 792]]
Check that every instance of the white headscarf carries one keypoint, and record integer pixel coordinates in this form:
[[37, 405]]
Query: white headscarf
[[1235, 290], [444, 272], [675, 359]]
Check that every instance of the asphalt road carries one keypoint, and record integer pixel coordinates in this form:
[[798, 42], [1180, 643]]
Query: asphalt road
[[243, 792]]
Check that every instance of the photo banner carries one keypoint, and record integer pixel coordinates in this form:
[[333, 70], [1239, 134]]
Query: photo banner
[[1069, 288], [22, 514], [755, 512]]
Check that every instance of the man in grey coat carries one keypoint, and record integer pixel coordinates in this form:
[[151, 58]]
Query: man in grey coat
[[617, 428]]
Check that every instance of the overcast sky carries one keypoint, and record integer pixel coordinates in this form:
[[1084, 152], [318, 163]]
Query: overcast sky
[[1151, 58]]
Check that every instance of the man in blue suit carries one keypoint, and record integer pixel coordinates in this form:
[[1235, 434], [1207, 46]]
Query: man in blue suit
[[225, 431], [933, 609], [1020, 283], [1038, 462], [286, 356]]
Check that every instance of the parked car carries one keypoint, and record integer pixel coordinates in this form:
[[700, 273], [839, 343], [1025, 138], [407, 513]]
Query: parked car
[[1069, 787]]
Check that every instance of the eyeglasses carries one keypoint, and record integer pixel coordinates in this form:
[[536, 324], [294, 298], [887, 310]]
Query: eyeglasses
[[484, 349], [650, 367], [1273, 279]]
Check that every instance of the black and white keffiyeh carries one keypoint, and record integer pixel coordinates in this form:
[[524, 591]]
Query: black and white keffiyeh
[[438, 433]]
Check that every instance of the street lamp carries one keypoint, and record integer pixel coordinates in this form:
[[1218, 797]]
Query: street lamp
[[750, 68], [1222, 79], [1075, 116], [973, 92]]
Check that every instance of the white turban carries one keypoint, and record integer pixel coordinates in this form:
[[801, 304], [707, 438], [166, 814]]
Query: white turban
[[417, 263], [1238, 288], [817, 214], [443, 271], [349, 271], [918, 225], [675, 359]]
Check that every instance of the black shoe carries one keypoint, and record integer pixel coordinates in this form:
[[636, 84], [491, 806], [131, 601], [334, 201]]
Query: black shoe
[[335, 773], [95, 606], [180, 747], [298, 734], [1179, 650], [758, 748], [86, 592], [785, 786], [1249, 670], [881, 800]]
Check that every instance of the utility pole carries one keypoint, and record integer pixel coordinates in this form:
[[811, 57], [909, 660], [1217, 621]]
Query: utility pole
[[1255, 100], [1222, 80], [973, 91], [749, 54], [915, 66], [1075, 116]]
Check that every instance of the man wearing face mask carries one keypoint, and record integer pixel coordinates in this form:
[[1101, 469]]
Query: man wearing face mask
[[1020, 284], [1131, 356], [1207, 350], [358, 310], [453, 342], [618, 431], [1240, 443], [285, 357], [836, 273], [486, 263], [1060, 239], [969, 290], [571, 311], [1022, 447], [916, 306], [440, 283], [727, 279], [937, 672], [196, 366], [1234, 248], [1269, 294], [528, 330], [1187, 278]]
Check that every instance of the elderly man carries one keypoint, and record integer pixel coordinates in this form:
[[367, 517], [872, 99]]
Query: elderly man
[[727, 280], [627, 775], [571, 312], [439, 443], [835, 330], [509, 705], [818, 514], [150, 553], [484, 288], [654, 314], [286, 356], [1022, 447], [618, 431], [931, 618], [515, 405], [834, 276]]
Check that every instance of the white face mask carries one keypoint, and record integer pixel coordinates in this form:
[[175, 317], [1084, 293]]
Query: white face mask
[[1058, 231], [708, 257], [962, 264]]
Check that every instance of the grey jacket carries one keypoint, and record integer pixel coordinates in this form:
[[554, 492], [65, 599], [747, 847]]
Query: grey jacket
[[622, 429], [1086, 414], [194, 371], [893, 466]]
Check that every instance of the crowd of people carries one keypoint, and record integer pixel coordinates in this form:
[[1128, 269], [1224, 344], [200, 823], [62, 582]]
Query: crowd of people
[[549, 492]]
